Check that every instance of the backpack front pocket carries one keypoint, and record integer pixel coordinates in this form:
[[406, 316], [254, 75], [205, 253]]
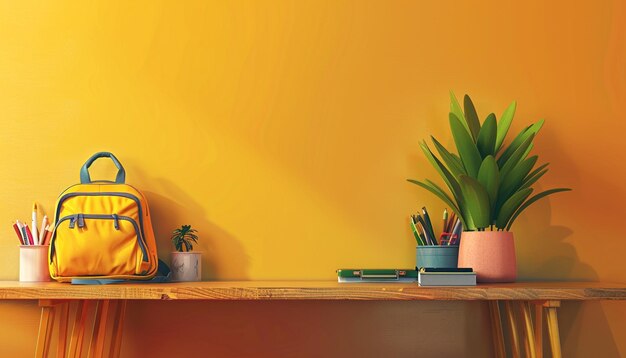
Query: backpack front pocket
[[98, 245]]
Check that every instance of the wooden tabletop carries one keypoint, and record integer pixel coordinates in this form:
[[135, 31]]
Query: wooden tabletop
[[313, 290]]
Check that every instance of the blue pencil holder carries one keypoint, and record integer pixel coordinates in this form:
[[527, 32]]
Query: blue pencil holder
[[444, 256]]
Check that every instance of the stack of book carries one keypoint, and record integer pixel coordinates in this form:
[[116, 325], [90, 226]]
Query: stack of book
[[446, 277]]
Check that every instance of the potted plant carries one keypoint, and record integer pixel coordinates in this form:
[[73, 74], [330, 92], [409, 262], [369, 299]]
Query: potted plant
[[490, 184], [186, 264]]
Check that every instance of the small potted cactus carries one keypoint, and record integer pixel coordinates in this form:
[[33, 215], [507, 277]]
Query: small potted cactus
[[186, 263]]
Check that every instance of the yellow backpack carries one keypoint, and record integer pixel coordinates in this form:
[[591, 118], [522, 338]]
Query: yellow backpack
[[102, 230]]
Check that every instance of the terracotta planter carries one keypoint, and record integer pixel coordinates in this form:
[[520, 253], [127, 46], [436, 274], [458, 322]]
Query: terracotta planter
[[490, 253]]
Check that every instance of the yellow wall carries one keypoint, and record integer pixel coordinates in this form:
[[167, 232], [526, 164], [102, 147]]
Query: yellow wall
[[285, 131]]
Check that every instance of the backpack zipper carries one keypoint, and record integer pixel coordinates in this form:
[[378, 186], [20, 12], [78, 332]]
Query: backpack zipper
[[124, 195], [79, 220]]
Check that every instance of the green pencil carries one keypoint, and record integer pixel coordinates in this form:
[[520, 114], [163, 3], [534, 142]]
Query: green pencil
[[415, 233]]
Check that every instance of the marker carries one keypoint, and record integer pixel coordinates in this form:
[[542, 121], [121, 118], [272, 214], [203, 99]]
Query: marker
[[22, 228], [31, 239], [19, 234]]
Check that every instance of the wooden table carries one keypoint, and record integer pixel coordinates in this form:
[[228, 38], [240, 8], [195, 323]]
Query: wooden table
[[523, 306]]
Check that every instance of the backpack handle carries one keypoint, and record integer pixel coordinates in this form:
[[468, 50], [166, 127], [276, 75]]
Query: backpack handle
[[84, 171]]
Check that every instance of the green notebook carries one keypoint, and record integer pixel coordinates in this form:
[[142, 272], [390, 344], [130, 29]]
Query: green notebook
[[376, 275]]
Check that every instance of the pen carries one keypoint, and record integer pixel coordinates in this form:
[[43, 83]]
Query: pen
[[420, 235], [420, 224], [456, 231], [421, 231], [42, 231], [35, 238], [451, 222], [444, 238]]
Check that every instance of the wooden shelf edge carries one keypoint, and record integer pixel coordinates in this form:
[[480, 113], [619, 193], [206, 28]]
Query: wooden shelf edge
[[314, 290]]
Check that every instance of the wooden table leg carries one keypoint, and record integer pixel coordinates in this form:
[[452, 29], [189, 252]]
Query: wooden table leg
[[50, 309], [63, 311], [529, 333], [96, 346], [553, 327], [78, 328], [46, 323], [116, 342], [496, 329], [510, 316], [538, 329]]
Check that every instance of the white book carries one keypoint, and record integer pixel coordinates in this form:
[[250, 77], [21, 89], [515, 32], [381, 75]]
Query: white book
[[446, 279]]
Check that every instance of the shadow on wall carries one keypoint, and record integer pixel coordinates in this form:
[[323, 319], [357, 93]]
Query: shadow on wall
[[541, 249], [544, 254], [223, 256]]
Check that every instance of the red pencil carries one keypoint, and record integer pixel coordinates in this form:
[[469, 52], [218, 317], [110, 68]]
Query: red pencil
[[30, 236], [19, 234]]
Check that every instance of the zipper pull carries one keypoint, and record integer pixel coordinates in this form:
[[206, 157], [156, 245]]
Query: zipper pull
[[116, 222], [73, 221], [81, 221]]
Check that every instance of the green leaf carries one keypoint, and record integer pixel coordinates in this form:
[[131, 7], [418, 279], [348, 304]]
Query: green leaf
[[437, 191], [510, 206], [537, 170], [521, 138], [453, 162], [465, 216], [457, 159], [513, 180], [460, 204], [531, 201], [534, 176], [489, 178], [487, 136], [456, 109], [470, 156], [527, 152], [529, 182], [518, 156], [503, 126], [447, 177], [477, 201], [508, 151], [471, 117]]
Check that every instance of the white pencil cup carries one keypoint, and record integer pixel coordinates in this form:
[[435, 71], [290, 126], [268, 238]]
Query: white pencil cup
[[34, 263]]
